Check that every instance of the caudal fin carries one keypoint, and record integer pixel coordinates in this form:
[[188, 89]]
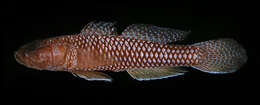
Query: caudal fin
[[221, 56]]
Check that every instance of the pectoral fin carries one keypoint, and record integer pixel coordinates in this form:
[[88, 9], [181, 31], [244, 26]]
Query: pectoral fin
[[155, 73], [92, 75]]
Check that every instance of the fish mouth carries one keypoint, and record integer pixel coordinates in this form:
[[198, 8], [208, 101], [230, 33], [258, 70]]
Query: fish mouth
[[23, 60], [28, 55], [22, 56], [18, 57]]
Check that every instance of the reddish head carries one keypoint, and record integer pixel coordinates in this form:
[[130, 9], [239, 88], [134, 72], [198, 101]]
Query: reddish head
[[42, 54]]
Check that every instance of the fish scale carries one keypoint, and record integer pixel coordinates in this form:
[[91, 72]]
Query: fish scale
[[145, 51], [139, 51]]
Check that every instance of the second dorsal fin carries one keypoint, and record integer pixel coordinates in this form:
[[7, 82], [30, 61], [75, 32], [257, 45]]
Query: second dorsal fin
[[154, 33], [100, 28]]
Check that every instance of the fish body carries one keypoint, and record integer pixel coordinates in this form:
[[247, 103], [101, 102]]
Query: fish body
[[141, 50]]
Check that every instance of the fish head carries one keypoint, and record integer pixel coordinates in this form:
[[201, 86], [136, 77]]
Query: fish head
[[37, 54]]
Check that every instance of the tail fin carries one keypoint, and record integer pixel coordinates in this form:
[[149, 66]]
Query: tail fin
[[221, 56]]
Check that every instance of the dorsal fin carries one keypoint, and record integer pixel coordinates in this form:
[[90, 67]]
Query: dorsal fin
[[154, 33], [100, 28], [155, 73]]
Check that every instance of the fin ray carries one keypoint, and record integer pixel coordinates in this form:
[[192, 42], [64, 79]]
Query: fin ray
[[100, 28], [154, 33], [221, 56], [92, 75], [155, 73]]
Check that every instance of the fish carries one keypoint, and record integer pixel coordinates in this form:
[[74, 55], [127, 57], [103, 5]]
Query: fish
[[146, 52]]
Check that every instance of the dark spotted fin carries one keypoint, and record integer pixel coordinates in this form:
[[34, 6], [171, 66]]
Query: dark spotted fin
[[154, 33], [99, 28], [221, 56], [155, 73], [92, 75]]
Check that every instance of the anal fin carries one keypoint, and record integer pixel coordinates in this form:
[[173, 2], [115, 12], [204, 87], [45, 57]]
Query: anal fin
[[92, 75], [155, 73]]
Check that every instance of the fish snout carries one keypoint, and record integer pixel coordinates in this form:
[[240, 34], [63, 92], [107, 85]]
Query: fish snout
[[34, 55], [22, 57]]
